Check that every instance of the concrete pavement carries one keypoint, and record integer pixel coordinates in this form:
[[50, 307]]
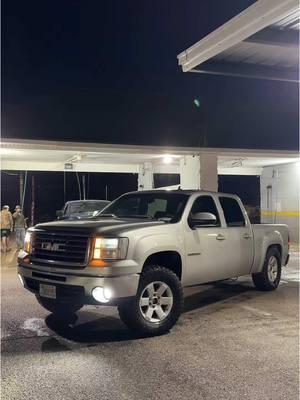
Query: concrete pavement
[[232, 342]]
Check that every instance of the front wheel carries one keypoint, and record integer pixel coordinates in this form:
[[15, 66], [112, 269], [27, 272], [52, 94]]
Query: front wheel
[[157, 305], [60, 309], [269, 278]]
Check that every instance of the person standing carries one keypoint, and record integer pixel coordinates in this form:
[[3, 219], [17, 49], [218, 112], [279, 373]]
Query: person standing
[[19, 226], [6, 228]]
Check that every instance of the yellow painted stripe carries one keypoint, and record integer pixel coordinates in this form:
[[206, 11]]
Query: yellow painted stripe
[[266, 213]]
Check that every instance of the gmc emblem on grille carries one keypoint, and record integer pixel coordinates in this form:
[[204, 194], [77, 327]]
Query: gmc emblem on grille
[[53, 246]]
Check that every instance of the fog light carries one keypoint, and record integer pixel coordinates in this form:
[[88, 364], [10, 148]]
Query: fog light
[[107, 293], [103, 295], [21, 280]]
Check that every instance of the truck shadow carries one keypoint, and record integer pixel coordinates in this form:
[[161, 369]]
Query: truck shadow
[[219, 292], [83, 327], [99, 330]]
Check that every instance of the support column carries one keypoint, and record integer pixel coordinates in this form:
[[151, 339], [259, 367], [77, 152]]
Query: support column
[[190, 172], [145, 178], [21, 188], [209, 172], [199, 172]]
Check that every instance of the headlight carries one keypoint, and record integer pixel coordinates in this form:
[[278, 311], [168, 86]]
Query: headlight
[[27, 242], [110, 248]]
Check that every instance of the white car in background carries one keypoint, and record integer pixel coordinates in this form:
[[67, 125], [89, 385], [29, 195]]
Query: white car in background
[[81, 209]]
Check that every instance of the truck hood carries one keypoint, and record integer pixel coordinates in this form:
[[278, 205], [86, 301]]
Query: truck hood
[[108, 226]]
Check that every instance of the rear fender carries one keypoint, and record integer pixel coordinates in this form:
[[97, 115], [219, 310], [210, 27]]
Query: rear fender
[[262, 244]]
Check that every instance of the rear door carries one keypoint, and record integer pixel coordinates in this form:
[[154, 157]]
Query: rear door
[[239, 238]]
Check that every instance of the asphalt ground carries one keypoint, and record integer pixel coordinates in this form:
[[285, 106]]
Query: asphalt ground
[[232, 342]]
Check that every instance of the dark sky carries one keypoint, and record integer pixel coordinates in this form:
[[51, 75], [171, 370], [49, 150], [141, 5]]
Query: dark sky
[[107, 72]]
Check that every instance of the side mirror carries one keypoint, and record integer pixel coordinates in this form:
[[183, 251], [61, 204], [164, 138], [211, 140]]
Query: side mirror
[[202, 219]]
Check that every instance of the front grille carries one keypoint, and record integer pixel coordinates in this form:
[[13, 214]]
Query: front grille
[[60, 248]]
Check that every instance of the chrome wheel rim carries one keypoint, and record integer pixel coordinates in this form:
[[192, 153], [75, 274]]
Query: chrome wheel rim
[[272, 268], [156, 302]]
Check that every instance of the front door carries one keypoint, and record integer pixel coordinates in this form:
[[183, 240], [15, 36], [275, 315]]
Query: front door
[[208, 257]]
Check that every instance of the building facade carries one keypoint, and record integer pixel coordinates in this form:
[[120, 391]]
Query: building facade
[[280, 185]]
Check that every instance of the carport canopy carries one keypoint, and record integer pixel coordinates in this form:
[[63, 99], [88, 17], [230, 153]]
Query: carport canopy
[[261, 42], [40, 155]]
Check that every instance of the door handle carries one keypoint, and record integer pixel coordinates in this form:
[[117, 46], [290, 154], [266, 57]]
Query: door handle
[[247, 236], [220, 237]]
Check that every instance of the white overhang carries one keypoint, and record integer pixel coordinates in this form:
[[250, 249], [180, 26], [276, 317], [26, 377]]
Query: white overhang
[[260, 42], [39, 155]]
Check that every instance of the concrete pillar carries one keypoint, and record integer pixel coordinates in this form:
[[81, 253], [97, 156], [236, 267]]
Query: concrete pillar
[[145, 177], [190, 172], [209, 172], [199, 172]]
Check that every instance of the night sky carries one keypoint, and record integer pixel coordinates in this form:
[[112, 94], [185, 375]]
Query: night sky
[[107, 72]]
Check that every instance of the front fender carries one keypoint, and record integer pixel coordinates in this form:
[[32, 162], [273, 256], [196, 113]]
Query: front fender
[[155, 243]]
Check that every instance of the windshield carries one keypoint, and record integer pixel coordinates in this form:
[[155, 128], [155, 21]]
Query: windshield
[[161, 206], [80, 207]]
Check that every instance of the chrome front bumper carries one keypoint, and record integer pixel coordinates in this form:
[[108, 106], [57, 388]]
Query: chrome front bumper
[[122, 286]]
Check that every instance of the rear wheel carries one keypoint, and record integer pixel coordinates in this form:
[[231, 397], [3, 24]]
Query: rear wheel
[[58, 308], [269, 277], [157, 305]]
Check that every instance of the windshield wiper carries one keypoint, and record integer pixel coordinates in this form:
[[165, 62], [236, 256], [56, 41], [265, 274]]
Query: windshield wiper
[[135, 216], [165, 219], [106, 215]]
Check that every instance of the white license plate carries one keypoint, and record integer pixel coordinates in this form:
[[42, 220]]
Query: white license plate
[[47, 291]]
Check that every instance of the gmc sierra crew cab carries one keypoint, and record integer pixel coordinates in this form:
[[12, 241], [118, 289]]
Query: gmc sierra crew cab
[[143, 249]]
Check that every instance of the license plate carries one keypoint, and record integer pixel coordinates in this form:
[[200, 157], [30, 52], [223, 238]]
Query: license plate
[[48, 291]]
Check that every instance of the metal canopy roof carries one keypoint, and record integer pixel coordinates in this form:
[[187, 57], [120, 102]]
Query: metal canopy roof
[[39, 155], [261, 42]]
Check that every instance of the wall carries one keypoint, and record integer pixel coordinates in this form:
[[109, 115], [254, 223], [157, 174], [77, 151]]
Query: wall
[[279, 186]]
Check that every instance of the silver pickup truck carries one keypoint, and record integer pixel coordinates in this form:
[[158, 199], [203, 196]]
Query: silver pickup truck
[[143, 249]]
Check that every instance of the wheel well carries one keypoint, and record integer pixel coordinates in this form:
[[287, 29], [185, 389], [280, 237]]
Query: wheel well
[[278, 247], [168, 259]]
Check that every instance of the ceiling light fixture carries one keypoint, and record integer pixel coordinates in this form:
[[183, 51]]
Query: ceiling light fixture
[[167, 159]]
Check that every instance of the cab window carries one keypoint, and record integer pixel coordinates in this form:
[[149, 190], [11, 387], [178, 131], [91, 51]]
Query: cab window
[[232, 212], [205, 204]]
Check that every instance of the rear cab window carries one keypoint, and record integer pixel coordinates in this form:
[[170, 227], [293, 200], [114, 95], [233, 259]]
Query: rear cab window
[[233, 214]]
